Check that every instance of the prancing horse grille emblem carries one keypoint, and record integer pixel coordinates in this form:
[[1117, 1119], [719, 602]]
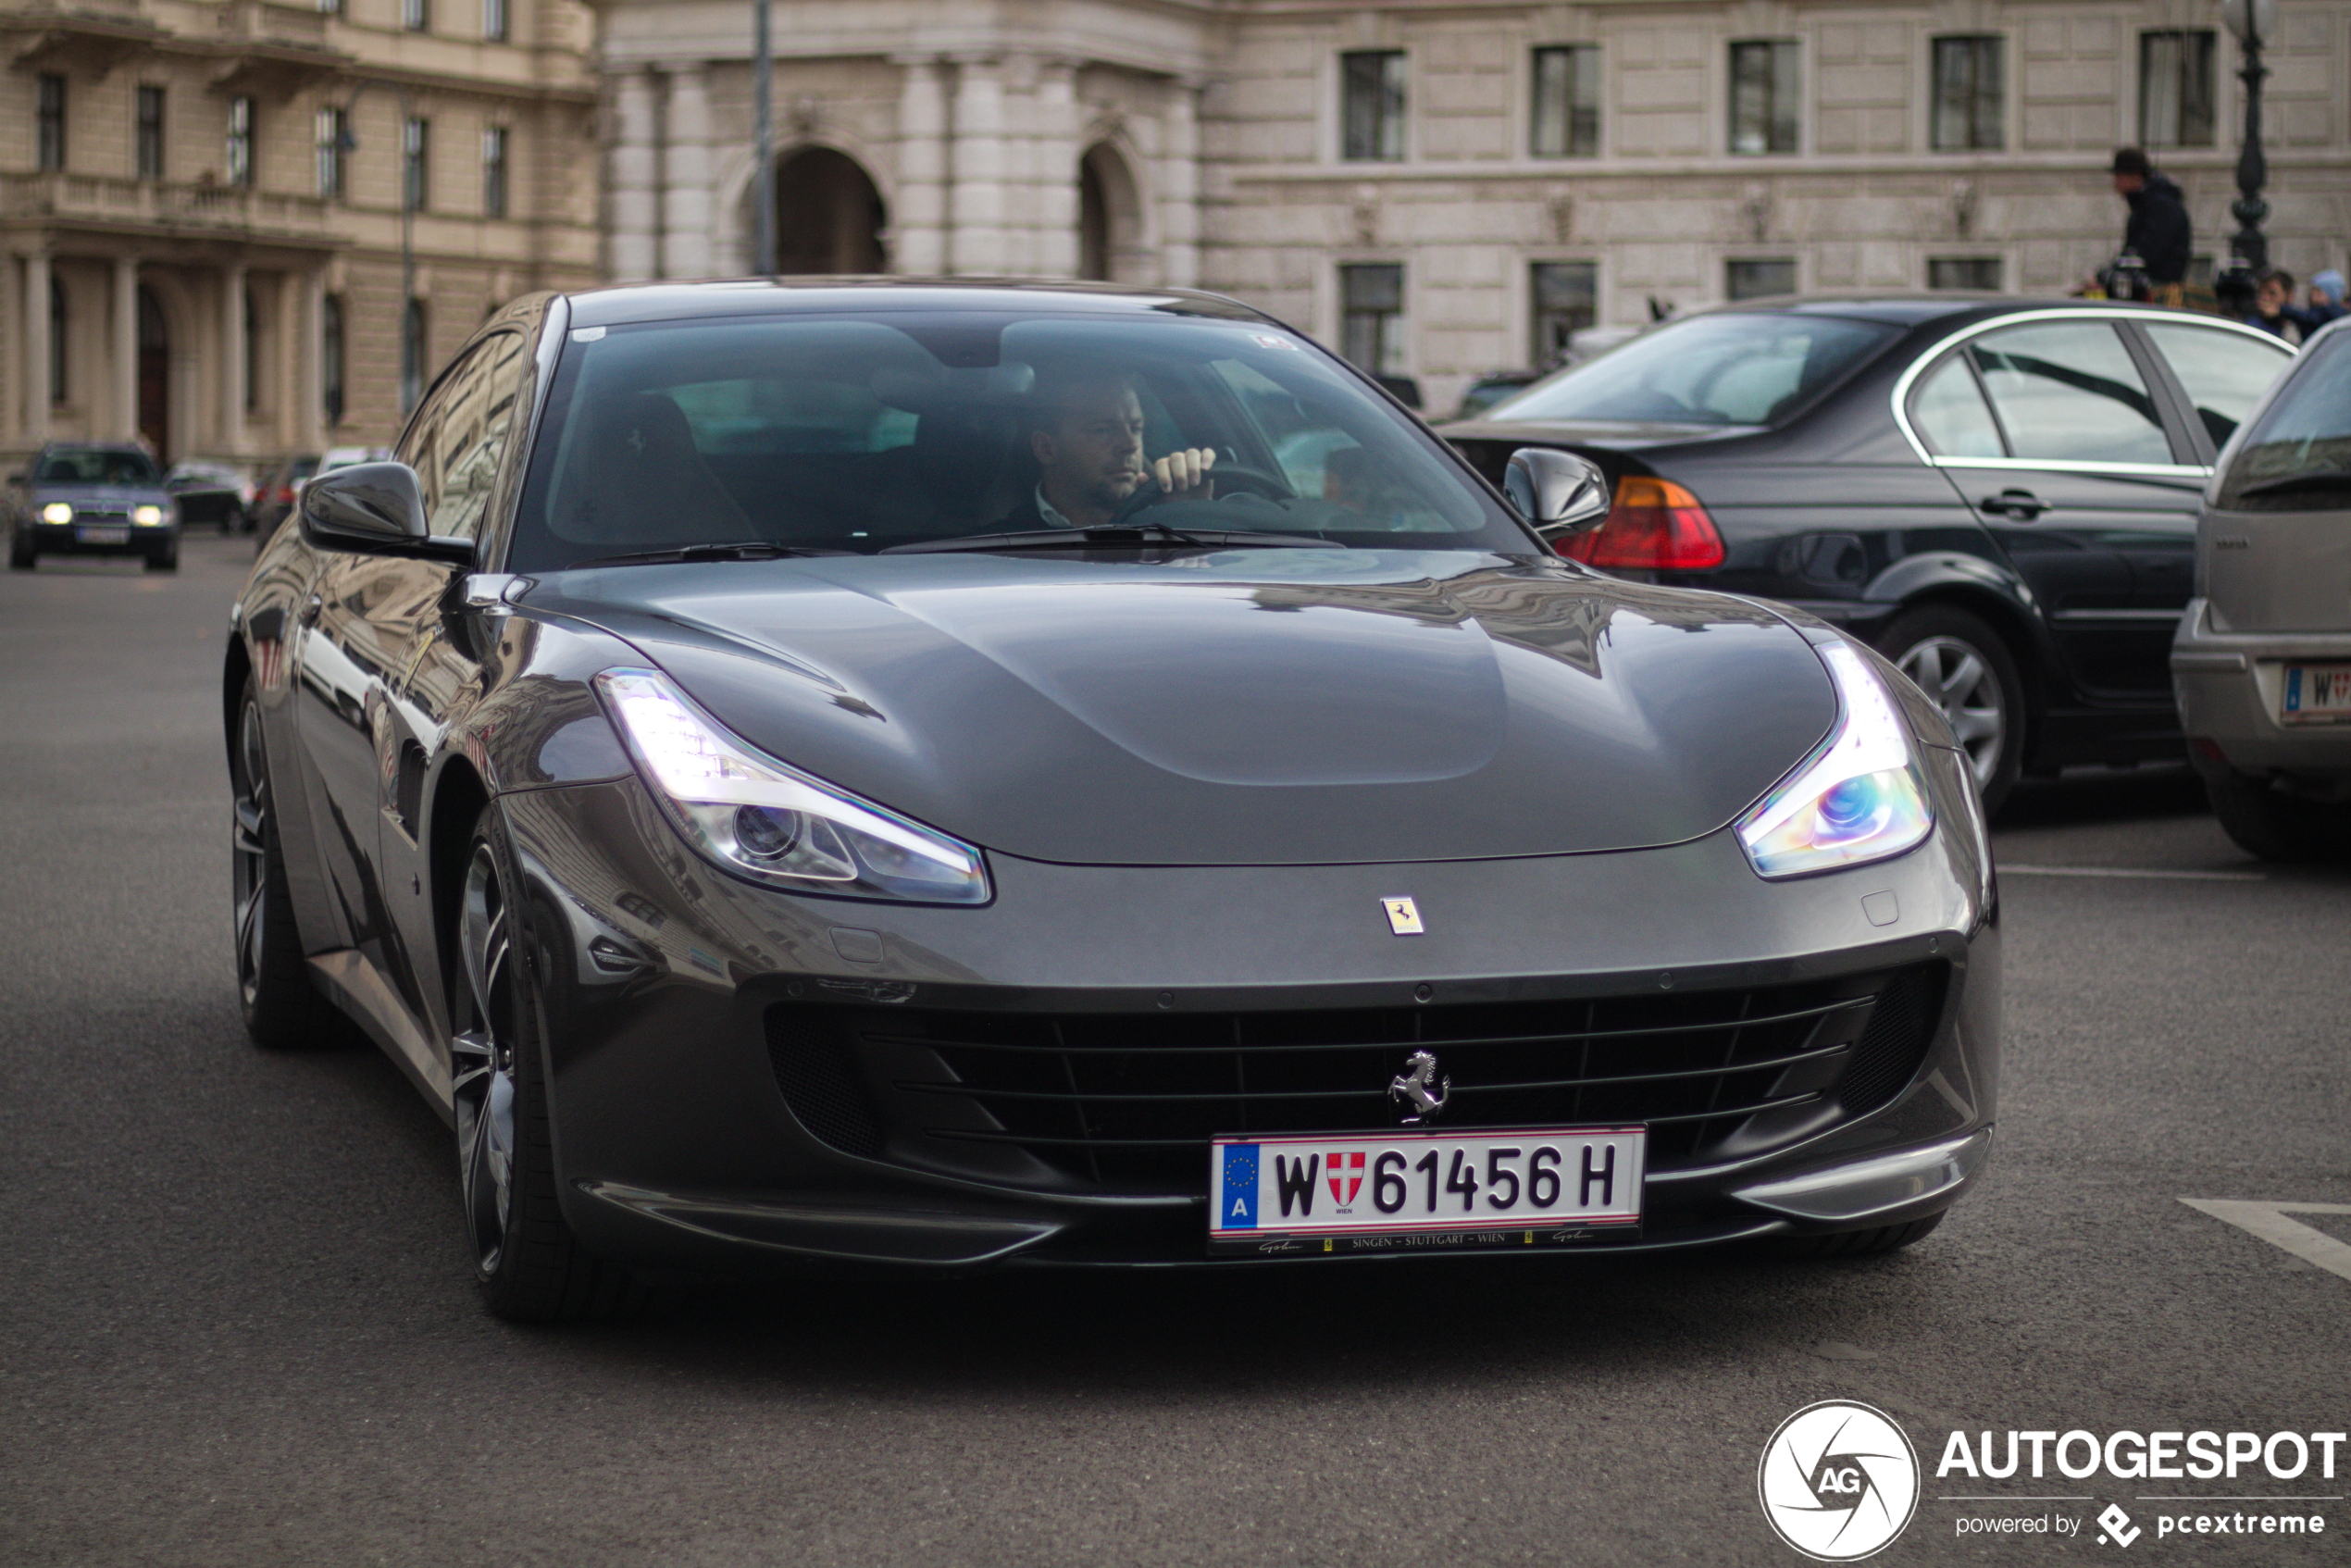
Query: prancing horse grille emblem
[[1403, 916], [1410, 1090]]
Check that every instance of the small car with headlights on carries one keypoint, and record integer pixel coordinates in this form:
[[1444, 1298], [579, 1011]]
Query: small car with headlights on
[[865, 775], [2262, 660], [89, 499]]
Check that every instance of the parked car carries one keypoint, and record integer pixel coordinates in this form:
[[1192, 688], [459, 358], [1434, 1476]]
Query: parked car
[[212, 492], [87, 498], [774, 851], [1998, 495], [2262, 660], [274, 499], [1484, 392]]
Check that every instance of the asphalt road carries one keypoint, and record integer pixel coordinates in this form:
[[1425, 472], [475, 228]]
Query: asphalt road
[[235, 1325]]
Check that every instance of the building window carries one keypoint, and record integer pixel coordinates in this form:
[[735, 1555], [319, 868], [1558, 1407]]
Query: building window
[[2176, 89], [494, 20], [330, 357], [493, 171], [148, 140], [252, 352], [412, 355], [1747, 277], [59, 358], [50, 119], [1567, 103], [239, 157], [333, 134], [330, 7], [416, 153], [1565, 293], [1373, 84], [416, 15], [1970, 93], [1764, 91], [1963, 272], [1370, 332]]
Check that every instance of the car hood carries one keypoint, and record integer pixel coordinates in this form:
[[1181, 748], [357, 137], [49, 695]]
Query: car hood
[[1244, 708], [115, 496]]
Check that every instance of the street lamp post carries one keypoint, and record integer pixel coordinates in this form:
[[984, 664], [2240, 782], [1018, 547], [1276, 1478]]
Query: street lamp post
[[763, 95], [2251, 22], [349, 143]]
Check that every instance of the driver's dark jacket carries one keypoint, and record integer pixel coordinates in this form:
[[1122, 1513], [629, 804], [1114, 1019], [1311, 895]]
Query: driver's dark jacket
[[2159, 230]]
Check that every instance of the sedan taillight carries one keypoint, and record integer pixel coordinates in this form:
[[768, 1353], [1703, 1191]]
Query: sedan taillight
[[1656, 526]]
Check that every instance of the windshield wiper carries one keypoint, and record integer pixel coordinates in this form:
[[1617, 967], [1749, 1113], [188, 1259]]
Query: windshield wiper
[[740, 550], [2323, 479], [1135, 534]]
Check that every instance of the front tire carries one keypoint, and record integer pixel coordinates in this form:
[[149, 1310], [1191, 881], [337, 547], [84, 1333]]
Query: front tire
[[2276, 826], [283, 1011], [530, 1266], [23, 557], [1967, 671], [165, 560]]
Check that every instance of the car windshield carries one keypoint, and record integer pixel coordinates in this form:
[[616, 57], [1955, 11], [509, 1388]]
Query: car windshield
[[842, 434], [96, 465], [1742, 367], [2298, 456]]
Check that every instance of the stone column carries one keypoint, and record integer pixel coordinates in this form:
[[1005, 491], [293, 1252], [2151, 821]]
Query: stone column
[[977, 199], [123, 411], [918, 227], [1055, 170], [233, 360], [685, 174], [37, 393], [307, 317], [1179, 215], [634, 220]]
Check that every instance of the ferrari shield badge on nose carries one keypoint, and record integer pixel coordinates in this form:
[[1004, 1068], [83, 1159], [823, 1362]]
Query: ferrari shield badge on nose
[[1403, 916]]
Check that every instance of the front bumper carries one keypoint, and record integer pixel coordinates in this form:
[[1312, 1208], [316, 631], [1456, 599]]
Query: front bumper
[[679, 1149], [69, 538], [2230, 691]]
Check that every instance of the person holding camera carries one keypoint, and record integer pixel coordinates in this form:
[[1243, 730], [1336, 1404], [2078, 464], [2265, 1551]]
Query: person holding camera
[[2158, 232]]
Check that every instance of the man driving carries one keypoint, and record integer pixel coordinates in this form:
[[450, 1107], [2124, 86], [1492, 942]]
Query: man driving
[[1085, 431]]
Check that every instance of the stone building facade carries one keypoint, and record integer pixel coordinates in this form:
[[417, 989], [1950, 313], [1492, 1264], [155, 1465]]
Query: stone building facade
[[201, 209], [1444, 186]]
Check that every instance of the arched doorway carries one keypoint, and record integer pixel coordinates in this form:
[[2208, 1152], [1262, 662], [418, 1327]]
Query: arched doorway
[[828, 214], [1110, 247], [154, 376]]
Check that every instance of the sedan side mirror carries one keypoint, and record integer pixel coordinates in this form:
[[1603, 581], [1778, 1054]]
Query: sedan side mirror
[[376, 509], [1560, 494]]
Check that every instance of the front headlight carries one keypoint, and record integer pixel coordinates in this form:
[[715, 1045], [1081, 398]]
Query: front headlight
[[767, 821], [1859, 797], [147, 516], [56, 511]]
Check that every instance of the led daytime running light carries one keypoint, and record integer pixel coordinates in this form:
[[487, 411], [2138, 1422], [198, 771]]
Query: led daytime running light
[[1858, 798]]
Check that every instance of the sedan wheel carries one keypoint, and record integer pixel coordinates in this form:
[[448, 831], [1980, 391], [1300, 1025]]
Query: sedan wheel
[[1966, 672], [482, 1061]]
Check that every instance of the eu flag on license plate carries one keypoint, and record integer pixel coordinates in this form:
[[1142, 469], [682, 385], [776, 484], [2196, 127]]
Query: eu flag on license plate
[[1236, 1192]]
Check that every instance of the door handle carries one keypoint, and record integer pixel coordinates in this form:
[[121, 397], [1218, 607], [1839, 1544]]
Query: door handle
[[2020, 505], [312, 610]]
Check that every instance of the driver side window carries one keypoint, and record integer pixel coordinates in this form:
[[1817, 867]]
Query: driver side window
[[459, 437]]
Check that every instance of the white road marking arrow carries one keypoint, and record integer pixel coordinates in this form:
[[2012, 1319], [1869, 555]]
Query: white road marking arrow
[[2269, 1222]]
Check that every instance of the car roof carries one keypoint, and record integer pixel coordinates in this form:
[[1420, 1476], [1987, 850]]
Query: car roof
[[619, 304], [94, 446], [1911, 309]]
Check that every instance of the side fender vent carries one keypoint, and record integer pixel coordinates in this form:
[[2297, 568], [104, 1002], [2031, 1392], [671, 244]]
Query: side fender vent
[[810, 1052], [1894, 1044]]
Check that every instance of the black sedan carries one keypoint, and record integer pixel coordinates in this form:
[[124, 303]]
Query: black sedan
[[1998, 495], [217, 493], [917, 777], [82, 498]]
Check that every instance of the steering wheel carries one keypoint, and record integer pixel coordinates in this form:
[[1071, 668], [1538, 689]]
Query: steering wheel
[[1255, 480]]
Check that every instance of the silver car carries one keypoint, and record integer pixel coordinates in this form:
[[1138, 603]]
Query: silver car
[[2262, 659]]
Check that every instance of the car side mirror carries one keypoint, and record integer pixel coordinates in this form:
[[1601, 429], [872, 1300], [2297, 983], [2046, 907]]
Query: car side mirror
[[376, 509], [1560, 494], [16, 478]]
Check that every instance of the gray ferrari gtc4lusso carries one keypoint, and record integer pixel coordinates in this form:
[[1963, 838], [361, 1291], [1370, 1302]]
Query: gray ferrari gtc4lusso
[[868, 775]]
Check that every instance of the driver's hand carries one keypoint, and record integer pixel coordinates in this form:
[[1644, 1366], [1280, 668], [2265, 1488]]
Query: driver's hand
[[1184, 470]]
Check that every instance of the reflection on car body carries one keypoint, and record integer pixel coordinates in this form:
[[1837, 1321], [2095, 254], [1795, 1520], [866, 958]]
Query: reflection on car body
[[773, 861]]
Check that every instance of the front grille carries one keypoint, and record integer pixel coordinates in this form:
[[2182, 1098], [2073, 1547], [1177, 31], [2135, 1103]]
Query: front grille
[[1130, 1100]]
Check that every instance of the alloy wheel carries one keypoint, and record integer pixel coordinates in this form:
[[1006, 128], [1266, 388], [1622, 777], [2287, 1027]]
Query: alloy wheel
[[482, 1059], [249, 854], [1960, 680]]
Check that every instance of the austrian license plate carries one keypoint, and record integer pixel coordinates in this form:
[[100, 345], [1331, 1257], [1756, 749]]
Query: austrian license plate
[[2316, 693], [1423, 1189], [102, 535]]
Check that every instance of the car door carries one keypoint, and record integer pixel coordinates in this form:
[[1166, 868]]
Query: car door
[[357, 646], [458, 446], [2219, 372], [2090, 468]]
